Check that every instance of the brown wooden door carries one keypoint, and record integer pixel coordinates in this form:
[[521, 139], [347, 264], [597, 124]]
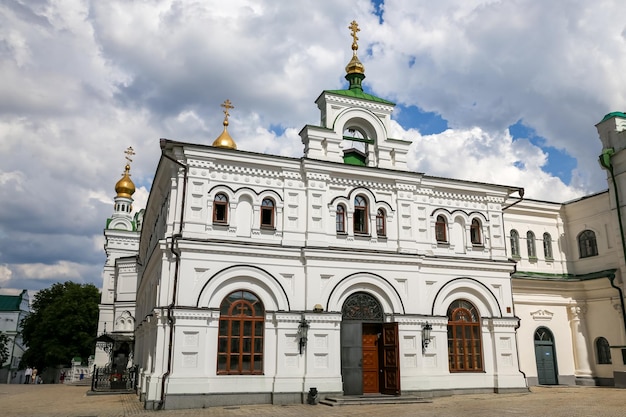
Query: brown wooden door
[[371, 370], [390, 359]]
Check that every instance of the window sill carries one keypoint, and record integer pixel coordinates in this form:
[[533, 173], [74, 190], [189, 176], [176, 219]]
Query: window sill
[[267, 227], [533, 259], [220, 224], [443, 244], [516, 257]]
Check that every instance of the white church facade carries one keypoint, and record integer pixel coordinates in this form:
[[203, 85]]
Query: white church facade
[[259, 277]]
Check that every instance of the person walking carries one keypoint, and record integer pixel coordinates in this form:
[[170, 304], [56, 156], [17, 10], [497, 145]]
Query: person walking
[[28, 374], [34, 376]]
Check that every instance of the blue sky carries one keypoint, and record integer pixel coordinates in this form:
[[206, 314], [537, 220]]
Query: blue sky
[[502, 92]]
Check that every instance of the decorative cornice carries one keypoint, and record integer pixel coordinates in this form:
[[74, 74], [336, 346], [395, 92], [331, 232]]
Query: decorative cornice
[[542, 315]]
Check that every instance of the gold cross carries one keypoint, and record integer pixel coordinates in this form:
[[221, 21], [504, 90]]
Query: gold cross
[[227, 106], [354, 28], [129, 153]]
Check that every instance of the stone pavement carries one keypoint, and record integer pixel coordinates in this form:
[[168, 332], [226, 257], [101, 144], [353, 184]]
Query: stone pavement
[[559, 401]]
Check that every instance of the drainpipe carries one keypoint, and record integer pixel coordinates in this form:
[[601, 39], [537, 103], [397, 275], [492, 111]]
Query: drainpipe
[[176, 252], [517, 326], [605, 162], [520, 191]]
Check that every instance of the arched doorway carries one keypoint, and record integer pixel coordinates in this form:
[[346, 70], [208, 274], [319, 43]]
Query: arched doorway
[[545, 358], [369, 348]]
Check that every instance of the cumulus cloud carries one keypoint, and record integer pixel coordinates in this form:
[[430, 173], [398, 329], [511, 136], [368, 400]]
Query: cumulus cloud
[[84, 79]]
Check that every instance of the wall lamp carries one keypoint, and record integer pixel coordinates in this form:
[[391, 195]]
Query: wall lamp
[[426, 337], [303, 330]]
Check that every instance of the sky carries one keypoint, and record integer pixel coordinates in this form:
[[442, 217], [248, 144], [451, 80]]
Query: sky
[[504, 92]]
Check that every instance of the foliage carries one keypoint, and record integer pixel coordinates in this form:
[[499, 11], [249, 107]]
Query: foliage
[[62, 325], [4, 348]]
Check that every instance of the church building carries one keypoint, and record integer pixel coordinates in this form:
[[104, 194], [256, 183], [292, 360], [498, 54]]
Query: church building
[[259, 277]]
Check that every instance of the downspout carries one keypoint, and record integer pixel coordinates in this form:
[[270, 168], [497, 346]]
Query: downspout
[[176, 252], [520, 191], [605, 161]]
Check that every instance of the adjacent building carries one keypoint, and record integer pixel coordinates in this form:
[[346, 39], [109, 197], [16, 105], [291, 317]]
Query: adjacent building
[[13, 309]]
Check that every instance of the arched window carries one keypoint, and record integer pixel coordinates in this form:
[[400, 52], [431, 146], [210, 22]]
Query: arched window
[[441, 229], [530, 244], [380, 223], [267, 213], [475, 232], [515, 244], [340, 219], [464, 338], [547, 246], [360, 215], [543, 335], [220, 209], [587, 245], [603, 351], [240, 340]]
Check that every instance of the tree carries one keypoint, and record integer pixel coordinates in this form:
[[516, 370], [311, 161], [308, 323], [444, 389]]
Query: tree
[[62, 325], [4, 348]]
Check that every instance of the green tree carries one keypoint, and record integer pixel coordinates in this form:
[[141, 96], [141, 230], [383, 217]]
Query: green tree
[[62, 325], [4, 348]]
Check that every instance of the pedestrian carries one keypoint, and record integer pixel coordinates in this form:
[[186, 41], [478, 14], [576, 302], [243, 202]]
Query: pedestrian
[[34, 376], [62, 378], [28, 374]]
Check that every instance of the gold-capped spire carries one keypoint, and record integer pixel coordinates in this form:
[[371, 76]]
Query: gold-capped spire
[[224, 140], [125, 187], [354, 66]]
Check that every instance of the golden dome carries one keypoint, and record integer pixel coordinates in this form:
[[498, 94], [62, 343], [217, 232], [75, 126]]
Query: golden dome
[[224, 140], [355, 66], [125, 187]]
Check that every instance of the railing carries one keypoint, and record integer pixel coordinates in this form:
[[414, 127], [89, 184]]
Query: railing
[[107, 379]]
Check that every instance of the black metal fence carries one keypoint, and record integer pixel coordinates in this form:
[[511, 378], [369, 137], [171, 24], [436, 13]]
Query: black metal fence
[[107, 379]]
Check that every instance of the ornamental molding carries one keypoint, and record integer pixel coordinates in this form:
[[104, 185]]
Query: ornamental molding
[[373, 186], [419, 321], [542, 315], [504, 322], [577, 311], [193, 315], [350, 102], [457, 196]]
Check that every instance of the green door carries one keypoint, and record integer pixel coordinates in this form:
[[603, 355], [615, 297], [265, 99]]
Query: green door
[[544, 356]]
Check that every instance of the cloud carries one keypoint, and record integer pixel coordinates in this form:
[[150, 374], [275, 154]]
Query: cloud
[[83, 80]]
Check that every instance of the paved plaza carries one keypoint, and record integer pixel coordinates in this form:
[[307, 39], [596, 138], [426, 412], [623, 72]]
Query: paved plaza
[[63, 400]]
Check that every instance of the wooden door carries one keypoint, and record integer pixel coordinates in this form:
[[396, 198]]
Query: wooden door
[[390, 360], [370, 369]]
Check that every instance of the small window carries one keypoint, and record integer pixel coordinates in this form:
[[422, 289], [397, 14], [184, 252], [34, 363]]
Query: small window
[[530, 245], [543, 335], [515, 244], [220, 209], [547, 246], [475, 232], [340, 219], [587, 244], [360, 215], [603, 351], [441, 229], [380, 223], [267, 213]]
